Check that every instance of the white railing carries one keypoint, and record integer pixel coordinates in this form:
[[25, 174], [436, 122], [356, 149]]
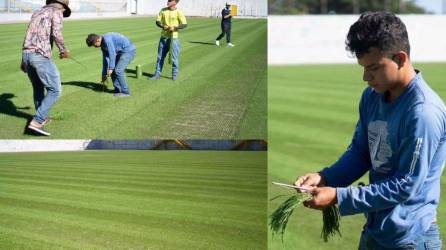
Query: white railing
[[28, 6], [313, 39]]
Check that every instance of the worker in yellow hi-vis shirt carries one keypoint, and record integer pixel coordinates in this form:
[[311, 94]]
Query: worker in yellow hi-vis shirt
[[170, 20]]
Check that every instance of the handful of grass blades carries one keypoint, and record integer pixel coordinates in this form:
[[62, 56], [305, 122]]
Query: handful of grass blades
[[279, 218], [331, 218]]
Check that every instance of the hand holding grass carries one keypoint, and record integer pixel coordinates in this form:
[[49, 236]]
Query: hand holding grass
[[322, 197], [310, 180]]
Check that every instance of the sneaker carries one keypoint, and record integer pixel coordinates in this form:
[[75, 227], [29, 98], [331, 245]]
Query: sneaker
[[230, 45], [46, 121], [155, 77], [217, 42], [121, 95], [38, 128], [174, 78]]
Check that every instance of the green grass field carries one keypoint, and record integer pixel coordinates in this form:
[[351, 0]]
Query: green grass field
[[312, 113], [221, 92], [133, 200]]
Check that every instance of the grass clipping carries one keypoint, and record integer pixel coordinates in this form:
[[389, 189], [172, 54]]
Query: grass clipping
[[279, 218]]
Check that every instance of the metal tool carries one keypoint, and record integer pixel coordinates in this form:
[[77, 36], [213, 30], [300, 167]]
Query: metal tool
[[74, 59], [302, 189], [103, 83]]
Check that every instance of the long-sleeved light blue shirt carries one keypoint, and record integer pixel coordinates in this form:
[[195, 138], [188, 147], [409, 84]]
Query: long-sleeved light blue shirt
[[114, 44], [402, 145]]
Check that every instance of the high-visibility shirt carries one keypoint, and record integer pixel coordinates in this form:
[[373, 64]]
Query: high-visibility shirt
[[171, 18]]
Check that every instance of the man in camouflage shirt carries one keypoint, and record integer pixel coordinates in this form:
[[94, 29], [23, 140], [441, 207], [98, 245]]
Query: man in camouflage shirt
[[44, 29]]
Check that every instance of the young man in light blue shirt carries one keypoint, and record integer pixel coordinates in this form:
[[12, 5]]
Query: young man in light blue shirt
[[117, 53], [399, 139]]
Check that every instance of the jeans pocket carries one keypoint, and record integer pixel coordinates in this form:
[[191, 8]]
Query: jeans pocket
[[409, 246], [433, 231], [433, 245]]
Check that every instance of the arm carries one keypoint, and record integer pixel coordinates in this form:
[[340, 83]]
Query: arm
[[421, 135], [355, 162], [158, 23], [225, 15], [182, 22], [56, 31], [181, 26], [104, 65], [111, 53]]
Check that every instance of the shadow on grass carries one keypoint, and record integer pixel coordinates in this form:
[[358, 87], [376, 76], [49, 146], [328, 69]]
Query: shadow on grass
[[203, 43], [98, 87], [9, 108], [132, 71]]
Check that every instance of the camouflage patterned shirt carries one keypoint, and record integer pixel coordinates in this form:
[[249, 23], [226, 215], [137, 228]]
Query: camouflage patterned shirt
[[44, 28]]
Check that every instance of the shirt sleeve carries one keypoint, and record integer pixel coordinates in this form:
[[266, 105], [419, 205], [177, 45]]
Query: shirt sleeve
[[56, 26], [421, 135], [355, 161], [158, 23], [181, 18], [159, 18], [111, 53], [105, 61]]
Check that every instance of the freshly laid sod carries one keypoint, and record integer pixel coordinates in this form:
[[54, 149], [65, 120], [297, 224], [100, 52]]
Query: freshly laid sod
[[221, 91], [133, 200], [313, 111]]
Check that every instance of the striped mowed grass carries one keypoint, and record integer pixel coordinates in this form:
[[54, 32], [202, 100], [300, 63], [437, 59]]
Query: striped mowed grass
[[312, 112], [221, 91], [133, 200]]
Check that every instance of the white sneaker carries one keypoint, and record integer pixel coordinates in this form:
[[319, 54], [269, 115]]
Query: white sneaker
[[38, 127], [217, 42], [230, 45]]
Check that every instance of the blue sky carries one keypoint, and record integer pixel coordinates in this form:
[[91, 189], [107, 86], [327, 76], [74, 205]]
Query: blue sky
[[431, 5]]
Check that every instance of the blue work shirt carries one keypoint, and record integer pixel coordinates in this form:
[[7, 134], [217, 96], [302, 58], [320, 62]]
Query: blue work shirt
[[114, 44], [402, 145]]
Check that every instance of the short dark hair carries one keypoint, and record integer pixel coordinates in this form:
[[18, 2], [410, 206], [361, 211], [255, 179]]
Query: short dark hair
[[91, 39], [382, 30]]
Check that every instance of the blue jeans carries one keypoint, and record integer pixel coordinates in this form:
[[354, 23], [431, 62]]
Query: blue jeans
[[430, 240], [43, 74], [118, 76], [163, 48]]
